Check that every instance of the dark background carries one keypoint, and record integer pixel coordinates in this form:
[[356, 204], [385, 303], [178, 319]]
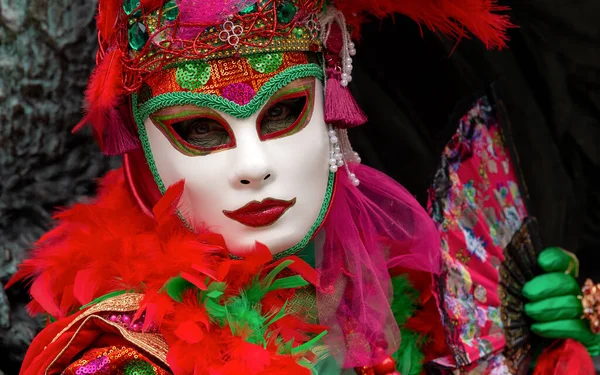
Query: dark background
[[411, 86]]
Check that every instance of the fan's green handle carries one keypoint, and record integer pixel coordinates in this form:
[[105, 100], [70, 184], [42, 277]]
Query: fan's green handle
[[554, 302]]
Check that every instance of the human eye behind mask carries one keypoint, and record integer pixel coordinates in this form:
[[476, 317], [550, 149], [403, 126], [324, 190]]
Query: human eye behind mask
[[288, 112], [195, 132]]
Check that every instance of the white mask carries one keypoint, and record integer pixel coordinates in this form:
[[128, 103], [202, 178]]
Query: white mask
[[249, 160]]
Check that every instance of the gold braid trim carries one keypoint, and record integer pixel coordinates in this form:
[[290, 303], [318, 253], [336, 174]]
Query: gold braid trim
[[151, 343]]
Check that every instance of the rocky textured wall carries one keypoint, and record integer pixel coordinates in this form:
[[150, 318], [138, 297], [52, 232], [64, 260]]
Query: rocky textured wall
[[47, 50]]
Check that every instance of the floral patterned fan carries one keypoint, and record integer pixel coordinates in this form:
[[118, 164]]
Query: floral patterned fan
[[489, 248]]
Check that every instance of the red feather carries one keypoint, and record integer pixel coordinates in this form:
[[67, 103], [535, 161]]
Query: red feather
[[110, 245], [450, 17], [108, 14], [84, 286], [166, 206], [189, 332], [41, 291], [565, 357], [103, 92]]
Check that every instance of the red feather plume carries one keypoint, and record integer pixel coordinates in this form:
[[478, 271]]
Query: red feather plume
[[103, 92], [453, 18], [108, 14]]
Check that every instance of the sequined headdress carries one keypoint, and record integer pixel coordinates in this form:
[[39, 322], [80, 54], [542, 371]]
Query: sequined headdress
[[141, 39]]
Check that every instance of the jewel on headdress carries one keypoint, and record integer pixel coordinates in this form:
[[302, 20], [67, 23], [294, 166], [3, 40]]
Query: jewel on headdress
[[249, 9], [170, 10], [313, 26], [286, 11], [138, 36], [231, 33], [130, 5]]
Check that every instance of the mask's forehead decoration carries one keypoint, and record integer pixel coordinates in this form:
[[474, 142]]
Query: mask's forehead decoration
[[235, 86]]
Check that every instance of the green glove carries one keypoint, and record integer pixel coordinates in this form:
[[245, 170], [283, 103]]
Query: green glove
[[554, 304], [577, 329]]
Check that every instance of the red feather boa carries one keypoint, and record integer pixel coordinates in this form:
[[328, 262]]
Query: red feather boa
[[110, 245]]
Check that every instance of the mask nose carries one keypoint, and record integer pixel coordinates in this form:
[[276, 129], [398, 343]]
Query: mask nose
[[253, 168], [255, 180]]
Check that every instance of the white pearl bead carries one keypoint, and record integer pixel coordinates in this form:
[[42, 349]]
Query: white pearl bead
[[345, 76], [337, 149], [356, 182], [349, 79], [332, 133], [340, 163], [344, 83], [352, 176], [333, 139], [351, 45], [349, 67], [332, 161], [333, 168], [352, 52], [348, 60], [338, 156]]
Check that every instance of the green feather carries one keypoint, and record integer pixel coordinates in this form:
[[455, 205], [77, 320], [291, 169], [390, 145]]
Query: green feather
[[288, 283], [409, 358], [268, 280], [307, 345], [175, 287], [242, 314], [405, 299], [105, 297]]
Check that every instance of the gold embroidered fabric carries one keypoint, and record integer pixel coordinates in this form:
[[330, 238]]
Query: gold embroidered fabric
[[152, 344], [223, 77]]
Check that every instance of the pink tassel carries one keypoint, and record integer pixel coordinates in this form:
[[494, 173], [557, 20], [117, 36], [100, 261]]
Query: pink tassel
[[119, 135], [341, 110]]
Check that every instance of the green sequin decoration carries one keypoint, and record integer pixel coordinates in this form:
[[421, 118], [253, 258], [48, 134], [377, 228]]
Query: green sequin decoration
[[170, 10], [298, 32], [249, 9], [193, 75], [286, 12], [138, 367], [138, 36], [265, 62], [130, 5]]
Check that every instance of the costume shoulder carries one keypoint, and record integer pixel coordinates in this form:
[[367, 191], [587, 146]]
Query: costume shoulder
[[106, 336]]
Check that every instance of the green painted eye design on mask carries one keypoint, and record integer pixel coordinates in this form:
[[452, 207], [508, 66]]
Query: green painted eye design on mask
[[195, 132]]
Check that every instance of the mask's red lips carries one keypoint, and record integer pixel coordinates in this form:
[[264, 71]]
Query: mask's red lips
[[260, 214]]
